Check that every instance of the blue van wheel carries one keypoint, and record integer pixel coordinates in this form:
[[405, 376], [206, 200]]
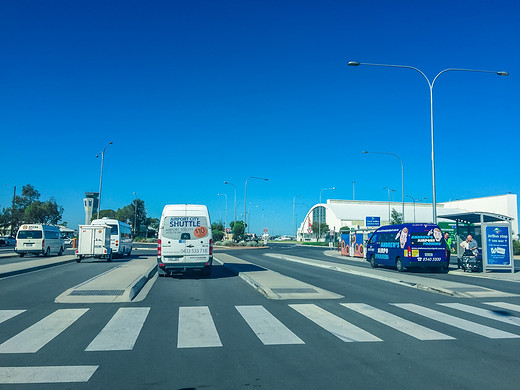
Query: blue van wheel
[[373, 263], [399, 265]]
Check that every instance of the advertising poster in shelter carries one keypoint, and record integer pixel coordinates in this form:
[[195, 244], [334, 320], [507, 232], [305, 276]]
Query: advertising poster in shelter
[[345, 244], [497, 242], [357, 245]]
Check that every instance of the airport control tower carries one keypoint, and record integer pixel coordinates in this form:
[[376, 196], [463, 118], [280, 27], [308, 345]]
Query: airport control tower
[[91, 203]]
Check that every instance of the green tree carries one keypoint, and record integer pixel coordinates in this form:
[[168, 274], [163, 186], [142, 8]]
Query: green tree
[[109, 213], [396, 217], [218, 231], [134, 213], [319, 229], [48, 212], [239, 230]]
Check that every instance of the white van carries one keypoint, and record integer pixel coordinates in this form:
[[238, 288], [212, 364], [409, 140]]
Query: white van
[[185, 239], [39, 239], [120, 235]]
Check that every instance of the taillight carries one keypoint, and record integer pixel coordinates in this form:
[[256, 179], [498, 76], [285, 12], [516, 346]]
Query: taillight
[[159, 247], [43, 243], [117, 242], [409, 252], [210, 246]]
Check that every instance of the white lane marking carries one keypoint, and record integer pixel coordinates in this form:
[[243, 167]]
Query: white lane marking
[[196, 328], [337, 326], [121, 332], [504, 305], [508, 319], [6, 314], [267, 327], [50, 374], [410, 328], [36, 336], [460, 323]]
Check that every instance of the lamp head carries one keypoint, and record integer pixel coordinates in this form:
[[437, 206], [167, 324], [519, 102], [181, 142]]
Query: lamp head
[[364, 152], [353, 63], [502, 73]]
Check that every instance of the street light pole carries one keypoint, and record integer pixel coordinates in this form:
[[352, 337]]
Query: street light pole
[[413, 199], [389, 214], [402, 175], [231, 184], [293, 206], [101, 175], [319, 212], [245, 198], [135, 211], [353, 190], [225, 217], [431, 84]]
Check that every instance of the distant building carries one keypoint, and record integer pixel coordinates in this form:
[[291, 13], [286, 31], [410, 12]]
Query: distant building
[[354, 213]]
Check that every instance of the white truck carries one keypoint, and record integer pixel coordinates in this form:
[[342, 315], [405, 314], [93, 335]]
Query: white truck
[[94, 241]]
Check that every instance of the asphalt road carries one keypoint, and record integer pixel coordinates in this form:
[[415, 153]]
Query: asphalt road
[[177, 348]]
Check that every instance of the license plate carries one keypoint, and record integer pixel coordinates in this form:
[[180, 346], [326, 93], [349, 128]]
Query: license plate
[[31, 244], [428, 254]]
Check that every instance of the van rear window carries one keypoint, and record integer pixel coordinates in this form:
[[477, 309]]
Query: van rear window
[[113, 230], [432, 237], [185, 228], [29, 234]]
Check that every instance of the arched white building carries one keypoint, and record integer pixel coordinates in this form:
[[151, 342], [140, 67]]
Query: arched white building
[[338, 213]]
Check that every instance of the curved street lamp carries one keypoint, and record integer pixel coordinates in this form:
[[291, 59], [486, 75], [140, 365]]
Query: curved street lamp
[[101, 176], [431, 84]]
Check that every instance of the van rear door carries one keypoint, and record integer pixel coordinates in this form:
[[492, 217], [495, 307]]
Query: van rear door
[[173, 243]]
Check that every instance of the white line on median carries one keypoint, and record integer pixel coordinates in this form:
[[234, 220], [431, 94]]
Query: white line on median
[[39, 334], [6, 314], [408, 327], [121, 332], [460, 323], [504, 305], [196, 328], [267, 327], [340, 328], [50, 374]]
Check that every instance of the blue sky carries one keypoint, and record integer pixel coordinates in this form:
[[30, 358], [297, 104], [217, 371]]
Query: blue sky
[[195, 93]]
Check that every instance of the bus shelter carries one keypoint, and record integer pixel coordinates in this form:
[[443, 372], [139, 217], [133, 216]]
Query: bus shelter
[[493, 234], [354, 242]]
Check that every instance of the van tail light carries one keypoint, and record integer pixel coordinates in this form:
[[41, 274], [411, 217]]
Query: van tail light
[[409, 252], [158, 247], [117, 242], [210, 246], [43, 243]]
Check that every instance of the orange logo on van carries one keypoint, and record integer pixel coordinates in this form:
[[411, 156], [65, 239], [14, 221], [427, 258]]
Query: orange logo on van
[[200, 232]]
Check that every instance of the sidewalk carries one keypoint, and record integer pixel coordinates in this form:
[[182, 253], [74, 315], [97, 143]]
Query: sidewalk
[[272, 284], [495, 275]]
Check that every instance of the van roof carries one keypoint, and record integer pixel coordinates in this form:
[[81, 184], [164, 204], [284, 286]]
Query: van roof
[[201, 208]]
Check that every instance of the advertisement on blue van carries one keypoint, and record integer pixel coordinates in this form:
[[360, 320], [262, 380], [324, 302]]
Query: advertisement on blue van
[[408, 246]]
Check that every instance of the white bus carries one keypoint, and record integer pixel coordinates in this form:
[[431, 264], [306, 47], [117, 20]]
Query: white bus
[[120, 235]]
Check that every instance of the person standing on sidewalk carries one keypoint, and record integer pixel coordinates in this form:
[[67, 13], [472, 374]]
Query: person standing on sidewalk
[[449, 246]]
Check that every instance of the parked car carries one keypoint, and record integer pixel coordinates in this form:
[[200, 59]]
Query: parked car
[[7, 241], [67, 240]]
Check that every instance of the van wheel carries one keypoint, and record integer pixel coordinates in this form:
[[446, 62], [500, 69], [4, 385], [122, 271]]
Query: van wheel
[[373, 263], [21, 254], [78, 259], [60, 252], [399, 265], [47, 252]]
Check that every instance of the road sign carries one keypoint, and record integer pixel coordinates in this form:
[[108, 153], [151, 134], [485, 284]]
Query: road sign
[[265, 230]]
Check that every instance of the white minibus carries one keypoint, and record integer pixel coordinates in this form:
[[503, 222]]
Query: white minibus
[[39, 239], [120, 235], [185, 239]]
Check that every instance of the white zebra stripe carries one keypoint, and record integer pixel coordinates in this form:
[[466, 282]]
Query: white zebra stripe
[[504, 305], [410, 328], [460, 323], [50, 374], [267, 327], [196, 328], [36, 336], [340, 328], [121, 332], [484, 313]]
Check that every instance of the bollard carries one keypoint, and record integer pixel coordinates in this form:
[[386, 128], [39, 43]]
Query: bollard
[[74, 243]]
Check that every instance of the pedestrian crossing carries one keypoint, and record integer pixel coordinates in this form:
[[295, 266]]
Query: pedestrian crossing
[[196, 327]]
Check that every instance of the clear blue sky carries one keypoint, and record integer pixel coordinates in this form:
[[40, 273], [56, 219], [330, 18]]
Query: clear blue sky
[[195, 93]]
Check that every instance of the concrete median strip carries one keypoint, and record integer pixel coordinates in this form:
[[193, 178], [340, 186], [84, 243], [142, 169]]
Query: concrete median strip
[[120, 284], [26, 265], [455, 289], [272, 284]]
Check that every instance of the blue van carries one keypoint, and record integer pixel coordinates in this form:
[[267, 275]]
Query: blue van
[[408, 245]]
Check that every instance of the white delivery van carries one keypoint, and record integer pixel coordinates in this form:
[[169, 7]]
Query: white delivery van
[[94, 241], [185, 239], [120, 235], [39, 239]]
